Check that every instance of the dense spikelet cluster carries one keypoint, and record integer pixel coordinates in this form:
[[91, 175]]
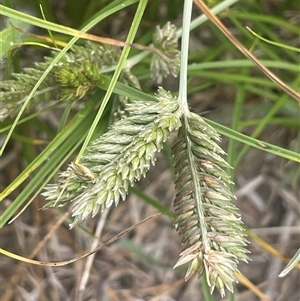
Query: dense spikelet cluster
[[70, 79], [13, 93], [79, 71], [166, 40], [205, 216], [117, 159]]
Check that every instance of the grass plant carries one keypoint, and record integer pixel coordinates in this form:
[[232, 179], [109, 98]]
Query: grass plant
[[118, 109]]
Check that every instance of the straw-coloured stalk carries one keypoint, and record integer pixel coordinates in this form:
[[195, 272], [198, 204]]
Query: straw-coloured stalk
[[117, 159], [205, 216]]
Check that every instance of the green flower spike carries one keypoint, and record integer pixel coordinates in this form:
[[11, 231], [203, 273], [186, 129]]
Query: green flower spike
[[118, 159], [166, 40], [205, 216], [77, 73]]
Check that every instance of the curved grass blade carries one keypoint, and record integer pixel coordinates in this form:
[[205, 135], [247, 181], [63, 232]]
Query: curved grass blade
[[262, 145]]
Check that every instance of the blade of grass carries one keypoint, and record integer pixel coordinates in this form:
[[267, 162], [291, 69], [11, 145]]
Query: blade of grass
[[152, 202], [58, 149], [233, 78], [236, 117], [206, 290], [130, 38], [263, 18], [142, 255], [273, 42], [284, 121], [292, 263], [114, 6], [280, 102], [53, 147], [246, 52], [74, 32], [36, 189], [267, 147], [242, 63], [9, 36], [266, 29], [258, 44]]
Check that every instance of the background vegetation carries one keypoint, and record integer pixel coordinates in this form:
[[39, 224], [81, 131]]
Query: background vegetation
[[223, 86]]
